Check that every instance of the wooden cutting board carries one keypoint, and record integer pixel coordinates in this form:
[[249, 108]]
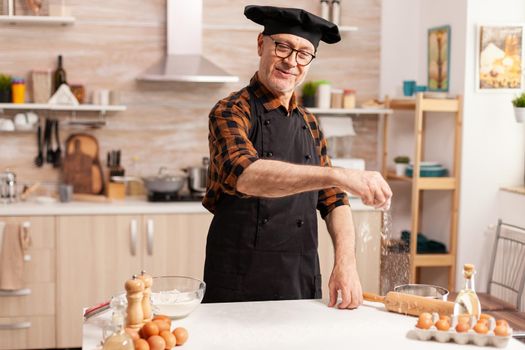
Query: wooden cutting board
[[81, 167]]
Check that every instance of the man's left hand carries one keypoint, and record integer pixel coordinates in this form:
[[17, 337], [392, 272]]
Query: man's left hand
[[345, 278]]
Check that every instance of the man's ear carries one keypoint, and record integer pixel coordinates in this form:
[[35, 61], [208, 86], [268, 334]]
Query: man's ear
[[260, 44]]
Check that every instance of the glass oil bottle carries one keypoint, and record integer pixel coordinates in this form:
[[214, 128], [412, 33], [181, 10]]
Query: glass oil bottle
[[467, 301]]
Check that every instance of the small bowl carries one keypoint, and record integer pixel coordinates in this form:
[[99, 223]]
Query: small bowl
[[423, 290], [176, 296]]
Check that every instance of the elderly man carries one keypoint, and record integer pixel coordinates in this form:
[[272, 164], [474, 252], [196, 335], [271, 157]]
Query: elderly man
[[269, 173]]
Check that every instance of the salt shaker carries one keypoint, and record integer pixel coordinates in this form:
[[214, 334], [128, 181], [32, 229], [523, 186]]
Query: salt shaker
[[146, 299], [134, 294]]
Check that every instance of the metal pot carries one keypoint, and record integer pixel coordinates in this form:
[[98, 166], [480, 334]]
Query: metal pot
[[8, 187], [197, 176], [423, 290], [164, 182]]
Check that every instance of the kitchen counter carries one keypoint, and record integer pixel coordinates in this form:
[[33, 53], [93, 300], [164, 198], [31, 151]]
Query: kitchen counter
[[134, 205], [296, 324]]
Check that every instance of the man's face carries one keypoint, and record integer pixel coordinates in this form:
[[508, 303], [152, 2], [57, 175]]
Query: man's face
[[282, 75]]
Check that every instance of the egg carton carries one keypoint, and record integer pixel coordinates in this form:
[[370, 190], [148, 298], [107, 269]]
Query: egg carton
[[488, 339]]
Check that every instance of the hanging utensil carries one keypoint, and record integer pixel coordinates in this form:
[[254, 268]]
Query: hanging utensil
[[47, 140], [39, 159], [58, 151]]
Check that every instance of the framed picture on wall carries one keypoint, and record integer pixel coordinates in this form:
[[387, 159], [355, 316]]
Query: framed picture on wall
[[438, 58], [499, 64]]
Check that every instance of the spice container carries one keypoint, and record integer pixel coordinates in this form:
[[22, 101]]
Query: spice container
[[349, 99], [337, 98], [18, 90]]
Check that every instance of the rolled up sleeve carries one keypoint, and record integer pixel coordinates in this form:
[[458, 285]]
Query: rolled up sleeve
[[231, 150], [333, 197]]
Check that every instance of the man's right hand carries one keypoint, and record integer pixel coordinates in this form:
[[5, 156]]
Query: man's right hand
[[369, 185]]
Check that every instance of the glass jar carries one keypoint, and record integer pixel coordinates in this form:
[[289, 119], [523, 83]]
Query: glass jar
[[18, 90], [337, 98], [349, 99]]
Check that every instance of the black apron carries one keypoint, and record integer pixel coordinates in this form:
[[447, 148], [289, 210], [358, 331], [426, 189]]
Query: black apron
[[266, 249]]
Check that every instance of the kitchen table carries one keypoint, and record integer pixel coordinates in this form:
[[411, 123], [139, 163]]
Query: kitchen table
[[296, 324]]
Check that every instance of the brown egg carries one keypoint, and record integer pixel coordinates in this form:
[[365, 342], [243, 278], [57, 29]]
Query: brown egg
[[442, 325], [162, 317], [484, 321], [462, 327], [425, 323], [425, 316], [132, 333], [485, 317], [169, 338], [464, 318], [481, 328], [163, 325], [181, 335], [501, 330], [149, 329], [141, 344], [445, 318], [156, 342], [502, 323]]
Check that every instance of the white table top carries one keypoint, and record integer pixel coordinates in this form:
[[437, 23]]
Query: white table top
[[297, 324]]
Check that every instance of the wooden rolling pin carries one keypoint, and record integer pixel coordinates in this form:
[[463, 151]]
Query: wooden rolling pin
[[409, 304]]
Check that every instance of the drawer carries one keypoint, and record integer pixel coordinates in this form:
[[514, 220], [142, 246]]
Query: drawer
[[42, 229], [39, 302], [41, 267], [35, 332]]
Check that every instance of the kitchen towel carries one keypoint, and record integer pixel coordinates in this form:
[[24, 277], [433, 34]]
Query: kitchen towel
[[337, 126], [11, 257]]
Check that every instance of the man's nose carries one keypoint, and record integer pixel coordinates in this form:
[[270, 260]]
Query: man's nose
[[291, 60]]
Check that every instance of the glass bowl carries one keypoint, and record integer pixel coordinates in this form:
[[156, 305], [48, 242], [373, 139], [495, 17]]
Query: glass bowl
[[176, 296]]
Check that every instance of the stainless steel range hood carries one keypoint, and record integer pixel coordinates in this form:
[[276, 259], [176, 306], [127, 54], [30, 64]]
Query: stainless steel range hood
[[184, 61]]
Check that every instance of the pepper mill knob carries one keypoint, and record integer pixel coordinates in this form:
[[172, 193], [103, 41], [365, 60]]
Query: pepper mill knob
[[134, 294], [146, 299]]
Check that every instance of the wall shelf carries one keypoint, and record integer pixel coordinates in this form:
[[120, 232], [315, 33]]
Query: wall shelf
[[354, 111], [48, 107], [255, 28], [45, 20]]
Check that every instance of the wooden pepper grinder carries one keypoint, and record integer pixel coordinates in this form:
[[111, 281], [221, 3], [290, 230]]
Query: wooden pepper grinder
[[134, 294], [146, 299]]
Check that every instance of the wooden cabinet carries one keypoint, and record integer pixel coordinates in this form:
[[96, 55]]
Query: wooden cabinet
[[96, 255], [367, 226], [27, 316], [175, 244]]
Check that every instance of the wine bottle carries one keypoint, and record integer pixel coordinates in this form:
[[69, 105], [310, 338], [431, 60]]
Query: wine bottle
[[59, 75]]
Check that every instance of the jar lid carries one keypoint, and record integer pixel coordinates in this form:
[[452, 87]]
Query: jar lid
[[349, 91], [17, 80]]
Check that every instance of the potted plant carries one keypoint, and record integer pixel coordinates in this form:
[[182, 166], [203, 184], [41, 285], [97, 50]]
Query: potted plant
[[401, 165], [5, 88], [309, 89], [519, 108]]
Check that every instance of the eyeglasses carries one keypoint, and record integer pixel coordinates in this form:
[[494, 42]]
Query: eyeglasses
[[282, 50]]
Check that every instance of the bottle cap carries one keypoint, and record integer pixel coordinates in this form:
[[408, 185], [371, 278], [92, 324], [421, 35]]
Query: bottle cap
[[468, 270], [18, 80]]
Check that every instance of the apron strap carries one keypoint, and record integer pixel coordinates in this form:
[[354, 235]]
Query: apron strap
[[255, 110]]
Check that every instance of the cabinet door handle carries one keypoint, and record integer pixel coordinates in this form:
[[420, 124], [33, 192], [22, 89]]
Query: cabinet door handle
[[150, 231], [15, 293], [16, 325], [133, 235]]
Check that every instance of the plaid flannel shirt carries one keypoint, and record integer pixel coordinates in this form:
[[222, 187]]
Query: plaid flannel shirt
[[231, 151]]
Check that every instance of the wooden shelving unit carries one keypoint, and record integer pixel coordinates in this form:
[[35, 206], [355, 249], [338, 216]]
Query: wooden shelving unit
[[44, 20], [101, 109], [421, 106]]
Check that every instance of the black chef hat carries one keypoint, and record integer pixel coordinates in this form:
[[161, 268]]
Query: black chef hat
[[277, 20]]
